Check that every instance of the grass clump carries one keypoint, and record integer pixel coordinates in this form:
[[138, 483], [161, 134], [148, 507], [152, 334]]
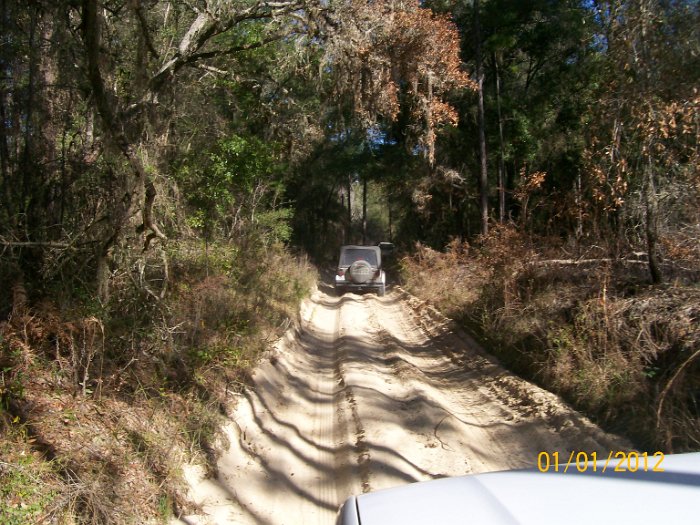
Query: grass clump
[[29, 485]]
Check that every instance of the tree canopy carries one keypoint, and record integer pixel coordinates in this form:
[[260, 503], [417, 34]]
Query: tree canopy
[[128, 123]]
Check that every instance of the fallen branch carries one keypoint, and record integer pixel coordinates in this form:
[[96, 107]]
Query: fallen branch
[[581, 262], [34, 244]]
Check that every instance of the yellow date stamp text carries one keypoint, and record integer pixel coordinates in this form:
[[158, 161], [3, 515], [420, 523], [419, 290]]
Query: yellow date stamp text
[[615, 461]]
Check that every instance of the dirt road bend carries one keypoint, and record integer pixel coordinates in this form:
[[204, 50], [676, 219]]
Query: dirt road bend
[[372, 392]]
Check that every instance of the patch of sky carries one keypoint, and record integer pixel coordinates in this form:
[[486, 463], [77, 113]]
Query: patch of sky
[[377, 137]]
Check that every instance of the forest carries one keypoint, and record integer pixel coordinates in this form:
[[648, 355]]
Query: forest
[[175, 176]]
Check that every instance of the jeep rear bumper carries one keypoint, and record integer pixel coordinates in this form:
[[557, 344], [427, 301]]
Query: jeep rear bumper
[[344, 285]]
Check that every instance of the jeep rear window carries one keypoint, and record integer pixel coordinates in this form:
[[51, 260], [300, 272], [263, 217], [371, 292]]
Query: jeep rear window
[[351, 255]]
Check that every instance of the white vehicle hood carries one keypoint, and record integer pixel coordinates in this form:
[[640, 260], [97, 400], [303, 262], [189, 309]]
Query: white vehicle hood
[[533, 497]]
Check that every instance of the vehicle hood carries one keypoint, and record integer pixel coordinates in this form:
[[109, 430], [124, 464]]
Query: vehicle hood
[[533, 497]]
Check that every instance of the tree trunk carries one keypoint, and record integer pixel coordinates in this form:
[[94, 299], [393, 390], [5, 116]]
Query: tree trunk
[[103, 277], [391, 233], [139, 185], [501, 148], [483, 172], [578, 199], [27, 165], [348, 229], [651, 204], [7, 213], [364, 210]]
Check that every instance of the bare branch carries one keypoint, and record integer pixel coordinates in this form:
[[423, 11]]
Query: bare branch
[[35, 244], [246, 47], [208, 24], [212, 69]]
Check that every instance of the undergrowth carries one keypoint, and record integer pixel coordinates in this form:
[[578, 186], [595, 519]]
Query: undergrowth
[[101, 405], [589, 328], [29, 486]]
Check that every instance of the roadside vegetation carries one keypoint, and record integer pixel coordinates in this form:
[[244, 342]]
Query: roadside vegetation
[[102, 405], [590, 328]]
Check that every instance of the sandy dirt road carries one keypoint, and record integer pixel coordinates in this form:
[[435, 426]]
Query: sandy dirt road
[[368, 393]]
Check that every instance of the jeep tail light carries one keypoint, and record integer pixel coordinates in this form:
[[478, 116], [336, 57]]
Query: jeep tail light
[[377, 274], [341, 272]]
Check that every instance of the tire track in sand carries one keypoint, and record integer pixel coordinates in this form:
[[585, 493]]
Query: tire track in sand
[[366, 393]]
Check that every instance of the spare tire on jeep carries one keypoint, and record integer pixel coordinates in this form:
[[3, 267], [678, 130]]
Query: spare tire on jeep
[[360, 272]]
